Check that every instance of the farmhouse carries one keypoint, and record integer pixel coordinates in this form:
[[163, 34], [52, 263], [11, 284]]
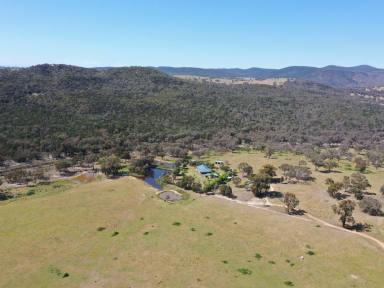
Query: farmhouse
[[204, 170]]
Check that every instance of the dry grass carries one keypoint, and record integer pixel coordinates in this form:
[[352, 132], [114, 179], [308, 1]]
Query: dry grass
[[236, 81], [74, 232], [313, 196]]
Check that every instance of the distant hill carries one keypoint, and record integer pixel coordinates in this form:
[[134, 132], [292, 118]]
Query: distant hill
[[335, 76], [68, 110]]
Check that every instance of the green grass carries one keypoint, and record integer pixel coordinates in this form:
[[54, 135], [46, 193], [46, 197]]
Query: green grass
[[60, 230]]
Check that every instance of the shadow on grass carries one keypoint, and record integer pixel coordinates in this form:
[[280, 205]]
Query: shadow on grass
[[360, 227]]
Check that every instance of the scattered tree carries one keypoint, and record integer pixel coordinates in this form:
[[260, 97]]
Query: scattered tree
[[345, 210], [329, 164], [376, 158], [246, 169], [359, 184], [291, 202], [269, 170], [269, 152], [260, 184], [371, 206], [360, 164], [333, 187]]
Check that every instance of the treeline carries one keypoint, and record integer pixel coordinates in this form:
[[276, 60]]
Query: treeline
[[72, 111]]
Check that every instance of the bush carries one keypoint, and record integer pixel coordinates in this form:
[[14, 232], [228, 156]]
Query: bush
[[30, 192], [5, 195], [371, 206], [244, 271]]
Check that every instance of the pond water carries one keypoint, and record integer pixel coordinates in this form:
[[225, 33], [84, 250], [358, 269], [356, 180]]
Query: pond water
[[155, 174]]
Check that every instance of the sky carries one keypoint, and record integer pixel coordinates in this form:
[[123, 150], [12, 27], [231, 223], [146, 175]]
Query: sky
[[194, 33]]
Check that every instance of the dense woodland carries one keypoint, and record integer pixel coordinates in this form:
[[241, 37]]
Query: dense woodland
[[67, 111]]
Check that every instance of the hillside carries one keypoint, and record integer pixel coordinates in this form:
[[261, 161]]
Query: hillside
[[74, 110], [335, 76], [117, 233]]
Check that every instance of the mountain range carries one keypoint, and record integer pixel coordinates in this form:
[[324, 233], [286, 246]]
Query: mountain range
[[335, 76]]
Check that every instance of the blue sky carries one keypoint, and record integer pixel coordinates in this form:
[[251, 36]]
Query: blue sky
[[237, 33]]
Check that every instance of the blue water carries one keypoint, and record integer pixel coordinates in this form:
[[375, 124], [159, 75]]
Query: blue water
[[155, 174]]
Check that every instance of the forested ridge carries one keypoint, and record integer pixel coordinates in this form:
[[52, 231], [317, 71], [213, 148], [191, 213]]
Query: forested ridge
[[71, 110]]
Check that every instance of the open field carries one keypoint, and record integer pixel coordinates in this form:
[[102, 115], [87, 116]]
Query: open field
[[313, 195], [145, 242], [236, 81]]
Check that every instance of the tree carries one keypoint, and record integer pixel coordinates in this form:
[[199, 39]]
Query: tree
[[286, 168], [346, 183], [246, 169], [260, 184], [329, 164], [382, 190], [316, 160], [226, 190], [303, 173], [333, 187], [371, 206], [269, 170], [110, 165], [359, 184], [376, 158], [345, 210], [236, 180], [360, 164], [269, 152], [291, 202]]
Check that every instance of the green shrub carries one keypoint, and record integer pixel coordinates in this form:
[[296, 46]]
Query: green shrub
[[176, 223], [115, 234], [258, 256], [244, 271], [101, 228], [289, 283], [57, 272], [30, 192], [310, 252]]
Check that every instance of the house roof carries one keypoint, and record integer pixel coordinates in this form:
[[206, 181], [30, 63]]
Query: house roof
[[203, 169]]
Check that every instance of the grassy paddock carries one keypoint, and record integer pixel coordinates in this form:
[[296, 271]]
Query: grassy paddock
[[117, 233], [313, 196]]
